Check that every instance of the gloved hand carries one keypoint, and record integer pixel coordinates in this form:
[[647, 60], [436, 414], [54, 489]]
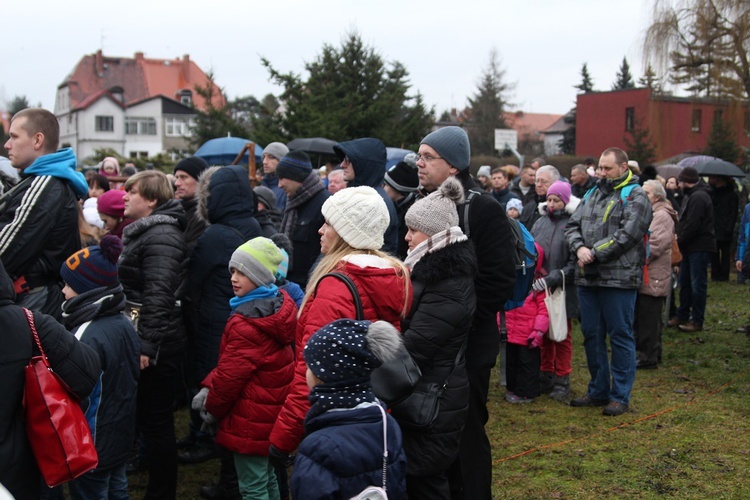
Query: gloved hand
[[535, 339], [199, 401], [207, 417], [538, 285], [278, 458]]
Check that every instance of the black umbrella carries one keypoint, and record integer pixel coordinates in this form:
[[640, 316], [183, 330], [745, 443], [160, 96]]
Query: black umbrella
[[317, 145], [719, 167]]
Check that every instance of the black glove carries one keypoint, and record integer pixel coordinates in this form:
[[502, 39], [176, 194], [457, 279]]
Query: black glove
[[279, 459]]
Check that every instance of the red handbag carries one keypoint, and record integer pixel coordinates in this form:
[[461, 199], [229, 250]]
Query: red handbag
[[56, 428]]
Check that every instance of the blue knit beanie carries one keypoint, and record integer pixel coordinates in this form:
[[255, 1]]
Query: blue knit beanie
[[452, 144], [295, 166], [94, 266]]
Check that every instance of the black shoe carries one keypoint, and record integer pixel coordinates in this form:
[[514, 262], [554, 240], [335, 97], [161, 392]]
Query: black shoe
[[639, 365], [614, 409], [186, 443], [588, 401], [221, 491], [198, 454], [743, 329]]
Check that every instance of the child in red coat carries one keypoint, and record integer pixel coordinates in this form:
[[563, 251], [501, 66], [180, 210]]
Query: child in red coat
[[526, 328], [246, 390]]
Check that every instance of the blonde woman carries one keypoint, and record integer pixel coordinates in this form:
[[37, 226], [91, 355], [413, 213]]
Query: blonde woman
[[355, 222]]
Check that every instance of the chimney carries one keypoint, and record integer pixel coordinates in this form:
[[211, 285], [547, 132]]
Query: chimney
[[99, 63], [186, 67], [139, 56]]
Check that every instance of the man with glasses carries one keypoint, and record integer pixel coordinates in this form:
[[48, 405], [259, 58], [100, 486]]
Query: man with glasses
[[545, 176], [442, 154], [363, 162]]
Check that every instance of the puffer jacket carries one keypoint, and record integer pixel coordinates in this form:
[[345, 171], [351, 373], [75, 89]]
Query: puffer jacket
[[531, 317], [613, 229], [305, 238], [225, 202], [695, 229], [434, 331], [76, 363], [256, 366], [152, 268], [549, 232], [343, 454], [368, 157], [383, 293], [660, 244]]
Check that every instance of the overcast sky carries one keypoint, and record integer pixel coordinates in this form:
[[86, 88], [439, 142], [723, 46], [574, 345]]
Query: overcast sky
[[444, 45]]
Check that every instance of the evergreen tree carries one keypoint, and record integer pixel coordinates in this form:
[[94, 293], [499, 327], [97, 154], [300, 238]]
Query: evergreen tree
[[568, 142], [350, 92], [650, 80], [18, 103], [587, 84], [212, 122], [722, 142], [486, 107], [624, 79], [639, 145]]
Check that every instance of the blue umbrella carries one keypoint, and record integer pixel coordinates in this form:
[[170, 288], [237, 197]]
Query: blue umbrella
[[224, 150], [395, 155]]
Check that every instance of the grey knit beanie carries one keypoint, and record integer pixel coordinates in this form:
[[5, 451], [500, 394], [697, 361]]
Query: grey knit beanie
[[258, 259], [359, 215], [437, 212], [276, 149], [266, 196], [452, 144]]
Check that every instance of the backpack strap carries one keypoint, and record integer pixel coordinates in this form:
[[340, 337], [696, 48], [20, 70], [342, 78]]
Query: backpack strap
[[352, 288], [467, 203]]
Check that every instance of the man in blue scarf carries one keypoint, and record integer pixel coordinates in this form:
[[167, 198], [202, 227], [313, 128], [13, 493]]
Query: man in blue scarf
[[39, 216]]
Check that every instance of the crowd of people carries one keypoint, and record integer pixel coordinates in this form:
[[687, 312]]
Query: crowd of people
[[267, 308]]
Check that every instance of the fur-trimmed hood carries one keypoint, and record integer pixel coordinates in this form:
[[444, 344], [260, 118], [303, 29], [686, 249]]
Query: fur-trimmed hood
[[224, 193], [569, 208], [455, 260]]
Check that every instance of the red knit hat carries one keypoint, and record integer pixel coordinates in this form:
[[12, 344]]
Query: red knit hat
[[111, 203]]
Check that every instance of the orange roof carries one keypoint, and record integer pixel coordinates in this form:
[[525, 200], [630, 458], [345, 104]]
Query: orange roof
[[529, 125], [139, 78]]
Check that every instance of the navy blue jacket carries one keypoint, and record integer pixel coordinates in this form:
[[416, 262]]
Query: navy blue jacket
[[226, 202], [342, 454], [272, 183], [368, 157]]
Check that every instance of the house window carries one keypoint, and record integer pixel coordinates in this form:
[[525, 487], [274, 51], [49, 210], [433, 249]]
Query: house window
[[105, 123], [176, 127], [695, 120], [629, 119], [186, 97], [140, 126], [139, 154]]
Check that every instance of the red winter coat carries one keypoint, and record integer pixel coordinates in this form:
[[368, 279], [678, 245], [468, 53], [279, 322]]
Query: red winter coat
[[383, 294], [531, 316], [256, 365]]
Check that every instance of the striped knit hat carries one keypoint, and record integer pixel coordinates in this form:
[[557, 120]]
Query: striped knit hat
[[93, 267]]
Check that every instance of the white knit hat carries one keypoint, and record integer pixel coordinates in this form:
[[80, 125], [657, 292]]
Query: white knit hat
[[359, 215]]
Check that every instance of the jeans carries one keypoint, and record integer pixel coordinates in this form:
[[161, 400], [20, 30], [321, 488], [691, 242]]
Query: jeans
[[107, 484], [693, 286], [609, 311]]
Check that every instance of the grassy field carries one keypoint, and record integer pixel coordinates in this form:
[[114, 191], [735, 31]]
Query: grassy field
[[686, 436]]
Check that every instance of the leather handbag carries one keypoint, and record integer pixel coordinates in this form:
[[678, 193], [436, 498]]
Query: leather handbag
[[676, 254], [395, 379], [56, 428]]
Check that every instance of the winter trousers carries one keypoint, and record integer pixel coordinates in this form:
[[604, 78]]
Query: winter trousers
[[557, 357]]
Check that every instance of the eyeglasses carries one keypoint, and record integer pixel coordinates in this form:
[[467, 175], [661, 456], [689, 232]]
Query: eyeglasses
[[428, 158]]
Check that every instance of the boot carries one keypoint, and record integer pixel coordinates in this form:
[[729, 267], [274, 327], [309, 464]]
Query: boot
[[546, 382], [227, 487], [561, 390]]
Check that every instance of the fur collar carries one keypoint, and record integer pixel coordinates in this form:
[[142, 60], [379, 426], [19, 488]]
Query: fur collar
[[366, 260], [454, 261], [569, 208]]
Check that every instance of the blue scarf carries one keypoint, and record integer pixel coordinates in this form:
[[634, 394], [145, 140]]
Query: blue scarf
[[62, 165], [262, 292]]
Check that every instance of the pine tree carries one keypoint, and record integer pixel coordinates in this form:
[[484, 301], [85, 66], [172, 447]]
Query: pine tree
[[212, 122], [568, 142], [587, 84], [18, 103], [722, 142], [487, 106], [639, 145], [650, 80], [624, 79]]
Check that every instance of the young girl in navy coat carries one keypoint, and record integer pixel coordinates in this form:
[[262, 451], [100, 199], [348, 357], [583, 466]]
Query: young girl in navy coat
[[246, 390], [342, 452]]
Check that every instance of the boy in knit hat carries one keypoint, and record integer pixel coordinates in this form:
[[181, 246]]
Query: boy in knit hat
[[93, 312], [514, 208], [343, 451], [272, 154], [246, 390]]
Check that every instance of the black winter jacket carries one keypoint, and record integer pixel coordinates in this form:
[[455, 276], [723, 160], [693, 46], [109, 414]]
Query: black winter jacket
[[225, 200], [436, 328], [194, 224], [305, 238], [695, 229], [403, 206], [73, 361], [152, 268], [368, 157], [726, 203]]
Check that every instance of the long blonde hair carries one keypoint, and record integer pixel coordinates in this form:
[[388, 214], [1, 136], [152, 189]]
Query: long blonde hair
[[341, 249]]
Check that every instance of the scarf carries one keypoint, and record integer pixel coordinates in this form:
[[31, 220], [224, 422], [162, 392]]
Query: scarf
[[102, 301], [435, 242], [262, 292], [305, 193], [62, 165], [347, 394]]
